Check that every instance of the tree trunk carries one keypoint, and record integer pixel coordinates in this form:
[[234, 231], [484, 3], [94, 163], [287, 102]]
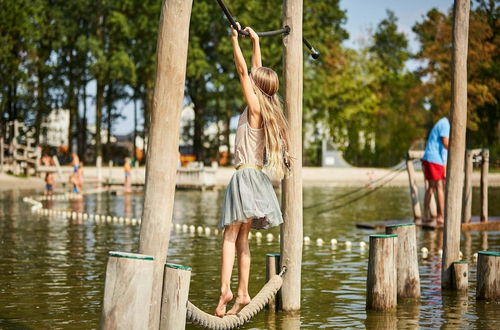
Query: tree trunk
[[109, 119], [98, 117], [41, 106]]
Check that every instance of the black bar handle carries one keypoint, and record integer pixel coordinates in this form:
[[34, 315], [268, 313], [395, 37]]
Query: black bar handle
[[314, 51]]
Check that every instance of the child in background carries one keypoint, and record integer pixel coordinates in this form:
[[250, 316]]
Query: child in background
[[49, 176], [127, 168]]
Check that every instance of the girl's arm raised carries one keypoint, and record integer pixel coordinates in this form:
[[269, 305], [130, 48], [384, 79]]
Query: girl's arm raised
[[256, 57], [242, 69]]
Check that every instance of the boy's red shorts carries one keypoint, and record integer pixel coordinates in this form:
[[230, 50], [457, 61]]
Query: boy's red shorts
[[433, 171]]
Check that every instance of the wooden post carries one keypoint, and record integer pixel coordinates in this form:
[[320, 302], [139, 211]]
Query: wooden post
[[488, 276], [99, 169], [110, 173], [485, 160], [467, 194], [175, 296], [408, 278], [458, 118], [273, 268], [417, 212], [460, 275], [381, 282], [291, 229], [163, 141], [127, 291]]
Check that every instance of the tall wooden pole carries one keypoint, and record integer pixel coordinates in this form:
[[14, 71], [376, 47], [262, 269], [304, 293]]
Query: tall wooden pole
[[458, 116], [161, 161], [485, 159], [467, 194], [291, 230], [417, 212]]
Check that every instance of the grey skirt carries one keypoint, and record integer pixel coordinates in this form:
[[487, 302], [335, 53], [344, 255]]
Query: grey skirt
[[250, 197]]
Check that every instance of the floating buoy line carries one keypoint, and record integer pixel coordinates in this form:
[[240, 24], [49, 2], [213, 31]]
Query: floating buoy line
[[200, 231]]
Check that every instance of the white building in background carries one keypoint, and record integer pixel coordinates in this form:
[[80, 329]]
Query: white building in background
[[55, 128]]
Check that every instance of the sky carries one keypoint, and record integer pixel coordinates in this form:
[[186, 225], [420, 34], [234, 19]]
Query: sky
[[362, 17]]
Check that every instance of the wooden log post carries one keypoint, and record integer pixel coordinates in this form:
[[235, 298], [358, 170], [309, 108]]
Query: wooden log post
[[163, 141], [175, 296], [110, 171], [408, 278], [485, 160], [417, 212], [461, 275], [98, 164], [458, 118], [127, 291], [381, 282], [467, 194], [488, 276], [273, 268], [291, 229]]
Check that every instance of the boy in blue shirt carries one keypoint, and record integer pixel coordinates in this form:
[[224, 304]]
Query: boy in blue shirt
[[434, 167]]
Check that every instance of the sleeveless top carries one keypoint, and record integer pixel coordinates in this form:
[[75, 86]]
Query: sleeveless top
[[250, 143]]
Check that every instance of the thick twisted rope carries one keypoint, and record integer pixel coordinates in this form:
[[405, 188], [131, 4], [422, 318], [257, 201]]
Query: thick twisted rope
[[262, 298]]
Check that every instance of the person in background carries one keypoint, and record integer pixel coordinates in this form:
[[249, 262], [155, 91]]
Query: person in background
[[434, 167], [49, 176], [127, 168], [77, 172]]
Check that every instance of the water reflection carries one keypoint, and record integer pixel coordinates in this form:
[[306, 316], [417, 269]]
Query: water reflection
[[52, 269]]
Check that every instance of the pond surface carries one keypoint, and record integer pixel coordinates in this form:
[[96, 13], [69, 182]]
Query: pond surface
[[52, 269]]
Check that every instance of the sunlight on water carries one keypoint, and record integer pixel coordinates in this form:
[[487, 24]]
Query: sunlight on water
[[52, 269]]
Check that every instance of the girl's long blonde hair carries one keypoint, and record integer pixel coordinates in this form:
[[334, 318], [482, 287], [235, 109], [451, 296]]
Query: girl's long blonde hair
[[266, 83]]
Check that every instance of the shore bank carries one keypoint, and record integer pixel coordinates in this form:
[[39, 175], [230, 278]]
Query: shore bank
[[312, 177]]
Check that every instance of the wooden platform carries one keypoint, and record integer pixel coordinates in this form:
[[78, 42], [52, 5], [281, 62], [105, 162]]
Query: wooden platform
[[493, 223]]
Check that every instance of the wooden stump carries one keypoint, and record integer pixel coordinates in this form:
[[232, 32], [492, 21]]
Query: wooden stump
[[485, 155], [127, 291], [381, 283], [273, 268], [460, 275], [175, 296], [408, 278], [467, 194], [417, 212], [488, 276]]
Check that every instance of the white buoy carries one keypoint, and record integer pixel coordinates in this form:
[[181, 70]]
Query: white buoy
[[85, 216], [108, 218], [185, 228], [134, 221], [115, 219], [425, 252], [319, 242], [192, 229], [307, 240], [249, 235], [207, 231], [440, 252], [199, 229], [127, 221], [474, 257], [269, 237], [348, 245], [216, 231], [178, 226], [121, 220], [279, 238], [362, 245], [460, 255], [258, 235]]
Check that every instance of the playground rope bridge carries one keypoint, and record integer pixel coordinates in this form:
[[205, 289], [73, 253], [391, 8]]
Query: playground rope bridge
[[286, 30]]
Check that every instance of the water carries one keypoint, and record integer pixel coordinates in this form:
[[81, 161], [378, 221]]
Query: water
[[52, 269]]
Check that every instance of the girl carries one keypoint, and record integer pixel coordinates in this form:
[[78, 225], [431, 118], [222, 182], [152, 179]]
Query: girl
[[250, 201], [127, 169]]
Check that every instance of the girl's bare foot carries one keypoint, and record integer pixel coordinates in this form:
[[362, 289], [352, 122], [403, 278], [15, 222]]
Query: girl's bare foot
[[241, 301], [225, 297]]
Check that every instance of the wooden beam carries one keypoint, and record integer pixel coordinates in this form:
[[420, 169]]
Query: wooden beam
[[485, 160], [467, 194], [291, 229], [417, 211], [458, 118], [163, 142]]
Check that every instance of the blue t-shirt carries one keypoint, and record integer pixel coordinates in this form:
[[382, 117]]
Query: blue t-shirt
[[435, 152]]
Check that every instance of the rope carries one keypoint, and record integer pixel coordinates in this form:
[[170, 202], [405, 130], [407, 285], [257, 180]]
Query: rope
[[396, 169], [199, 317], [395, 174]]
